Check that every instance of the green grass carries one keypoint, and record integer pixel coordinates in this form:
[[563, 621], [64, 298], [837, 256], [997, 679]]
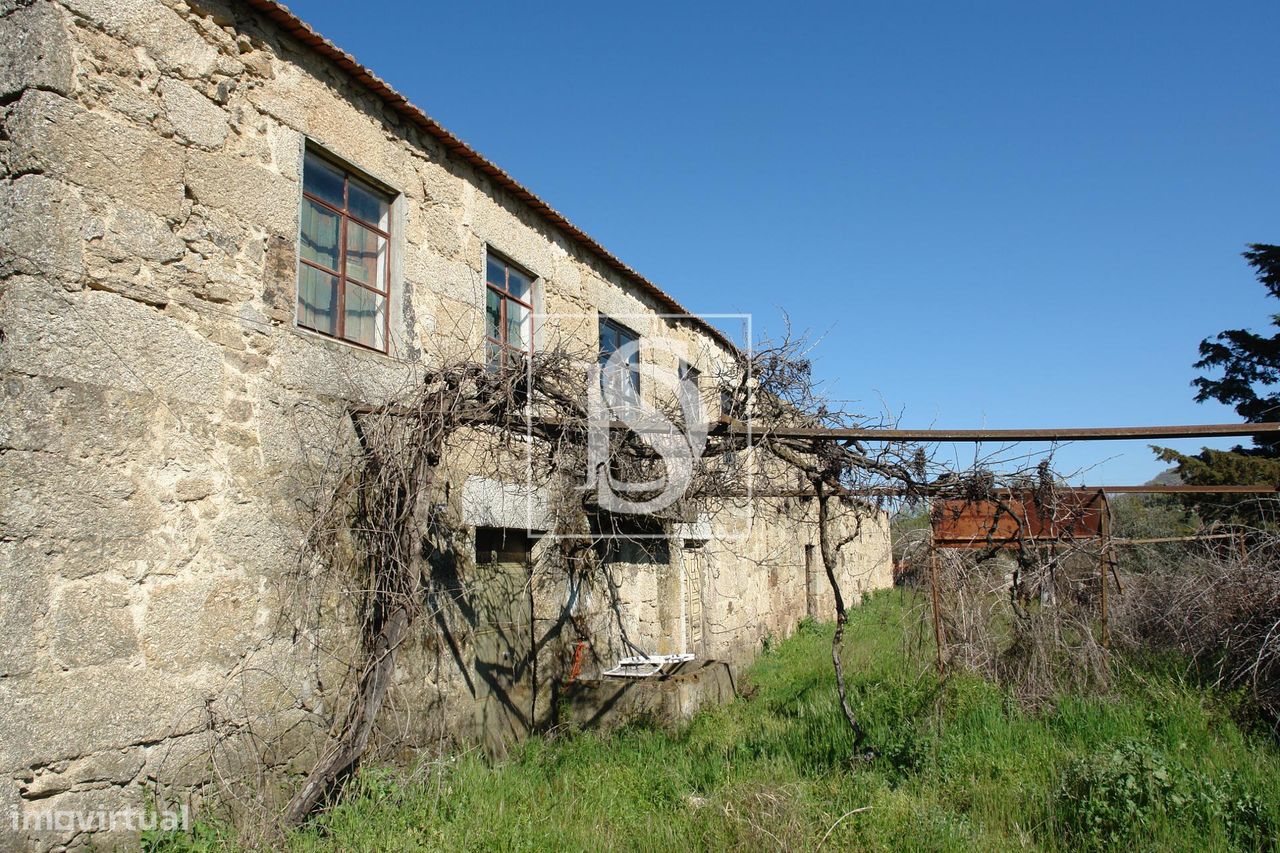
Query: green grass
[[1160, 764]]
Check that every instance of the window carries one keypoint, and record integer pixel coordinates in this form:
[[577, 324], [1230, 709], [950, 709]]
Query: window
[[619, 378], [690, 389], [508, 330], [728, 404], [344, 255], [502, 545], [638, 540]]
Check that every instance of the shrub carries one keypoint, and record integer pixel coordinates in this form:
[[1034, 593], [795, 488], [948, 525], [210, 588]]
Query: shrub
[[1218, 608], [1133, 793]]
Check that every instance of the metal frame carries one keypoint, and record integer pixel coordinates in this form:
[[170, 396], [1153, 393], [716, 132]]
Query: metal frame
[[344, 215], [1107, 572], [998, 435], [1083, 523]]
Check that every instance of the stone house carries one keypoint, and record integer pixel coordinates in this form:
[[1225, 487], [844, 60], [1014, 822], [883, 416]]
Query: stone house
[[217, 230]]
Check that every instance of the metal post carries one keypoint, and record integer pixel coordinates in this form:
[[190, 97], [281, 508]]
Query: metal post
[[1104, 564], [937, 608]]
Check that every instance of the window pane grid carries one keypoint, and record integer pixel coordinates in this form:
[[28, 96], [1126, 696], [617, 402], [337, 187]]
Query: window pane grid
[[361, 315], [372, 226], [500, 324], [613, 337], [320, 267]]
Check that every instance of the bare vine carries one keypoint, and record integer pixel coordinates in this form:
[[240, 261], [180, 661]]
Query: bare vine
[[389, 515]]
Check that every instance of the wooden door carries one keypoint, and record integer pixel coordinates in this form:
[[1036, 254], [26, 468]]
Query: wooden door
[[503, 641], [813, 578], [695, 574]]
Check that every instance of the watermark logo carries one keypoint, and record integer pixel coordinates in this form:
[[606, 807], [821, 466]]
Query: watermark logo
[[613, 396], [129, 819], [647, 384]]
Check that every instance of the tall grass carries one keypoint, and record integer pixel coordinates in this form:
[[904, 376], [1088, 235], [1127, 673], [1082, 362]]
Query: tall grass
[[1160, 764]]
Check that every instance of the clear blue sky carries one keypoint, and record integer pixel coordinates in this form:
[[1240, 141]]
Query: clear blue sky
[[998, 214]]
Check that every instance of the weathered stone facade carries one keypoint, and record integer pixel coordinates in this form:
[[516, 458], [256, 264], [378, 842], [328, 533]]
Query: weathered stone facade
[[161, 412]]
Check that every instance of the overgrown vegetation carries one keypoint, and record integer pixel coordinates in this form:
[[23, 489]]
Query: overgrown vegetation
[[1218, 609], [1159, 762], [382, 521]]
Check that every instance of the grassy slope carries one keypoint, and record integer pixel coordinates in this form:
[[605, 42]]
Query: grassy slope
[[1160, 765]]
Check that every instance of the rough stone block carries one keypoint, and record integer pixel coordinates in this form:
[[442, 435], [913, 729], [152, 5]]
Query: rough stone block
[[257, 196], [285, 145], [37, 50], [279, 98], [193, 488], [116, 766], [127, 704], [333, 369], [68, 502], [90, 623], [130, 233], [194, 117], [192, 623], [216, 234], [489, 503], [181, 761], [104, 339], [40, 221], [62, 139], [24, 599], [440, 185], [162, 33], [11, 837], [61, 822]]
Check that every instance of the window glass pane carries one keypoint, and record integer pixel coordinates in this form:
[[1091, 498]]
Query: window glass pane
[[317, 300], [517, 325], [492, 355], [608, 339], [690, 398], [367, 203], [493, 315], [319, 241], [519, 284], [620, 385], [609, 383], [366, 256], [364, 321], [322, 180], [496, 273]]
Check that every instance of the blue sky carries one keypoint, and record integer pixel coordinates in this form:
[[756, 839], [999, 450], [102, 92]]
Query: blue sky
[[1001, 214]]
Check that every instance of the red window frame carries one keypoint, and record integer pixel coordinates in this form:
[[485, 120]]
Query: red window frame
[[344, 216], [504, 293]]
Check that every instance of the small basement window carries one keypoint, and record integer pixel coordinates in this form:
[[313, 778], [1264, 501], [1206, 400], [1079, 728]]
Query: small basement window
[[508, 328], [502, 545], [636, 540], [344, 256]]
